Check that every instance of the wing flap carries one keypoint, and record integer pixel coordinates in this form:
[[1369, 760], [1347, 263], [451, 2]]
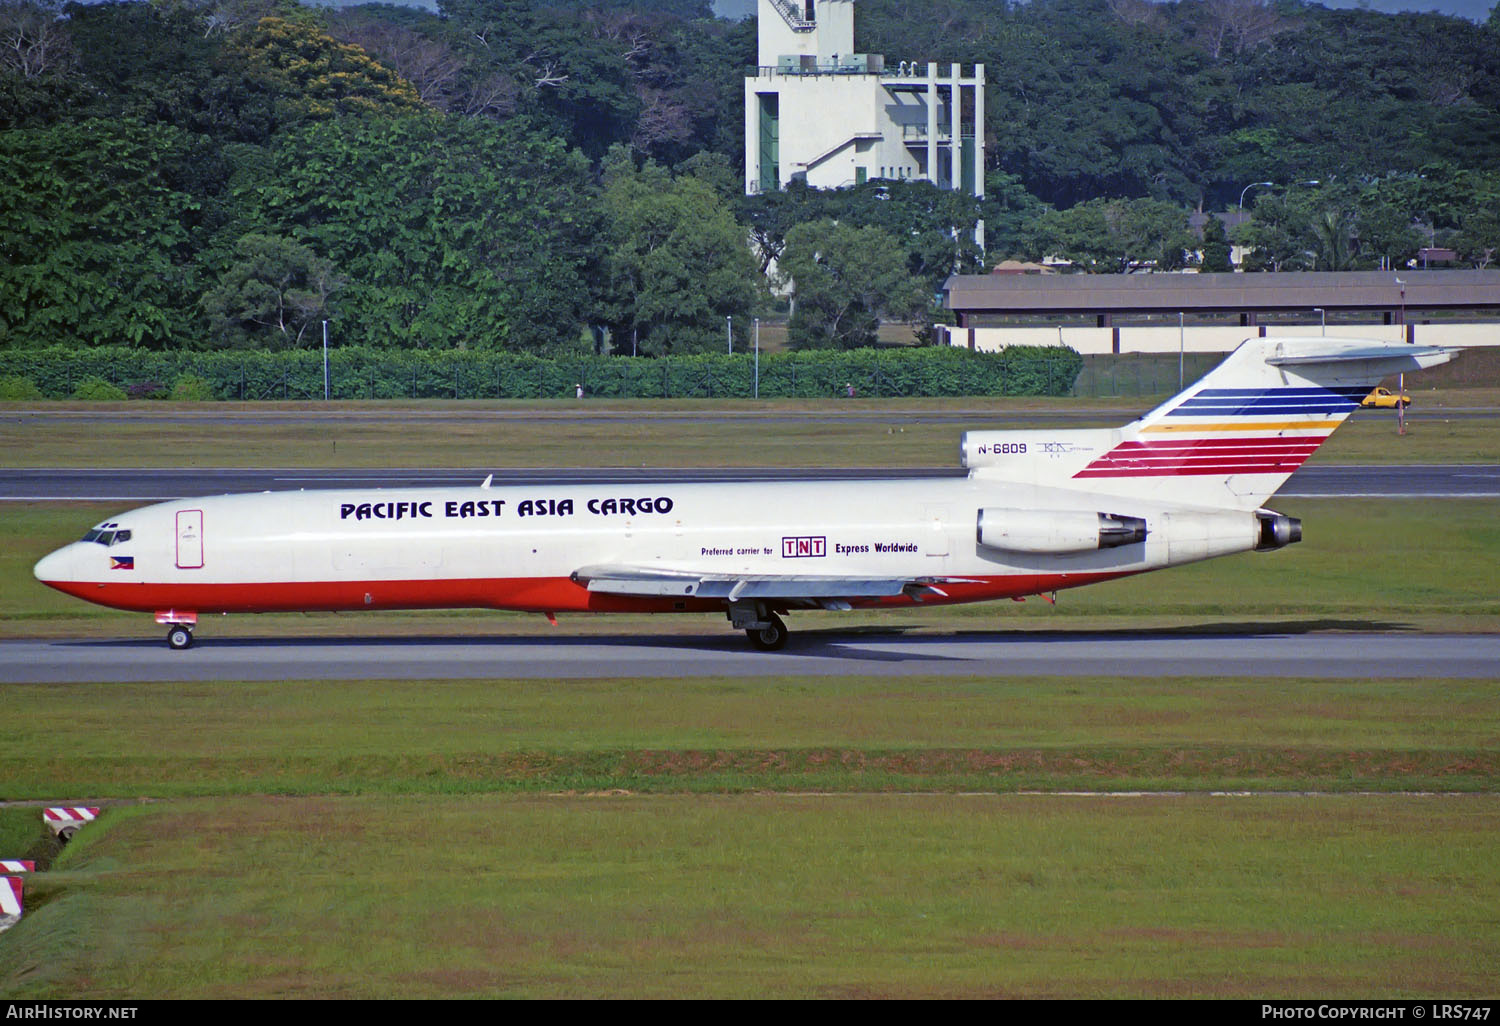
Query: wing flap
[[734, 587]]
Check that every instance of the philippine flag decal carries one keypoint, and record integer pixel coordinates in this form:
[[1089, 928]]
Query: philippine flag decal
[[122, 562]]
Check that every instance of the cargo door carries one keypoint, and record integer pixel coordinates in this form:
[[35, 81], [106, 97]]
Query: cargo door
[[189, 539]]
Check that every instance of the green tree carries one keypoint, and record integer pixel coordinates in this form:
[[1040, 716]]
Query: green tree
[[148, 61], [576, 78], [1215, 247], [846, 280], [38, 64], [97, 235], [1384, 228], [1333, 239], [935, 226], [768, 216], [1116, 236], [1279, 232], [1009, 212], [272, 292], [677, 264], [1478, 237], [452, 232], [313, 76]]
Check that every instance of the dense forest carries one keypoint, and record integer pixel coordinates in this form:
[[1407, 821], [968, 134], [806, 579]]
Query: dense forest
[[560, 176]]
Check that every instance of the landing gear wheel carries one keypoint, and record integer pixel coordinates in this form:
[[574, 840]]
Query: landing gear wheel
[[179, 637], [770, 638]]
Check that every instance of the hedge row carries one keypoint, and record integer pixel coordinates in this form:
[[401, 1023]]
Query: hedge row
[[355, 373]]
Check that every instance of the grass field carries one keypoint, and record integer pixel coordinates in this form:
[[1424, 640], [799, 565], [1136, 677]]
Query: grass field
[[736, 735], [768, 838], [762, 896], [683, 433], [704, 837]]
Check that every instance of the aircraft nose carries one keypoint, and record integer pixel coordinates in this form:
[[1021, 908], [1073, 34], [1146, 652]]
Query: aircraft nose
[[55, 566]]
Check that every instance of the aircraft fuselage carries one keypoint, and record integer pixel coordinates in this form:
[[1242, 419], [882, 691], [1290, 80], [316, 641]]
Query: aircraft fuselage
[[521, 547]]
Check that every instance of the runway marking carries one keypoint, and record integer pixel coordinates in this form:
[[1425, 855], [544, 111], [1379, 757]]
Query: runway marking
[[88, 498]]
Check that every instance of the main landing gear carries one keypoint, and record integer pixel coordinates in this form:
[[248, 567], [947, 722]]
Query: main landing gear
[[771, 637], [763, 627], [179, 636]]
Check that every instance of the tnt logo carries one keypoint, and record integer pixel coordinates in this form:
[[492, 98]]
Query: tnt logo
[[801, 548]]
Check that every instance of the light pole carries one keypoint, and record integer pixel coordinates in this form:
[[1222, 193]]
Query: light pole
[[1322, 318], [757, 357], [1401, 403], [325, 361], [1181, 347], [1247, 188], [729, 333]]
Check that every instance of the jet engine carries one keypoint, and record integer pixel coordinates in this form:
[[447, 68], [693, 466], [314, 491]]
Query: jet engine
[[1277, 530], [1056, 532]]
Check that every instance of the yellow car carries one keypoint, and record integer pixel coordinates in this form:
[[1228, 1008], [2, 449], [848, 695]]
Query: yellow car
[[1385, 399]]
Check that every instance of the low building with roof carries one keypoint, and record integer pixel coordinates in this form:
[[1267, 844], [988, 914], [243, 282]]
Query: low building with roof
[[1138, 313]]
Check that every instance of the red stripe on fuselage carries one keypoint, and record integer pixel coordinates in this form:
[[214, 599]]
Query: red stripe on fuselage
[[524, 594]]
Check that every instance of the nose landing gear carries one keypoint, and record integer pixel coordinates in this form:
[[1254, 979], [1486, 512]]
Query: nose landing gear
[[180, 624]]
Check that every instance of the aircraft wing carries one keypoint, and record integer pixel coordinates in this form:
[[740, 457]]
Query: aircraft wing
[[814, 590]]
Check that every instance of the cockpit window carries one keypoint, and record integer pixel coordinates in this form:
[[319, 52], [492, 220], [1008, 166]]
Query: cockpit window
[[121, 536], [106, 538], [93, 535], [105, 535]]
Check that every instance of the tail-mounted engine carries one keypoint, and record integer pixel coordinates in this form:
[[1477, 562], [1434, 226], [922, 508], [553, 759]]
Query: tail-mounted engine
[[1057, 532], [1276, 530]]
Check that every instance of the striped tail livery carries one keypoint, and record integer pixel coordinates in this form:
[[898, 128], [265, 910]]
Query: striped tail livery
[[1230, 440]]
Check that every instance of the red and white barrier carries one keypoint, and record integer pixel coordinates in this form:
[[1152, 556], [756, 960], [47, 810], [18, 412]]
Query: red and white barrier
[[65, 822], [17, 866], [10, 895], [69, 814]]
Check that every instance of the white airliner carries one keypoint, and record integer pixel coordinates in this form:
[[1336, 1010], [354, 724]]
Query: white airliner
[[1039, 511]]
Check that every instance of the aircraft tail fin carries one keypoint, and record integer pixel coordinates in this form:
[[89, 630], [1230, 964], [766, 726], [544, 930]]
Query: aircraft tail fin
[[1229, 440]]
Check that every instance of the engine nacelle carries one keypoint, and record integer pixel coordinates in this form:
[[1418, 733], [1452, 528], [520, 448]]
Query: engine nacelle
[[1277, 530], [1056, 532], [1192, 535]]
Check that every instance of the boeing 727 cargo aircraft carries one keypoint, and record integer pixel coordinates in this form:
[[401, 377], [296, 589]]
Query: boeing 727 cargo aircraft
[[1039, 511]]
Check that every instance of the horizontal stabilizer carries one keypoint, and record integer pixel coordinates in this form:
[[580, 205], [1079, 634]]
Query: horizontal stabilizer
[[1414, 357]]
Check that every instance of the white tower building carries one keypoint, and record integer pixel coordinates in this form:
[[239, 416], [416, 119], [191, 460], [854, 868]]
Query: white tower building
[[817, 110]]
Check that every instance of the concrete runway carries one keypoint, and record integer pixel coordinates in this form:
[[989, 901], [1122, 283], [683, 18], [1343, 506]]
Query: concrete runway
[[154, 485], [1279, 651]]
